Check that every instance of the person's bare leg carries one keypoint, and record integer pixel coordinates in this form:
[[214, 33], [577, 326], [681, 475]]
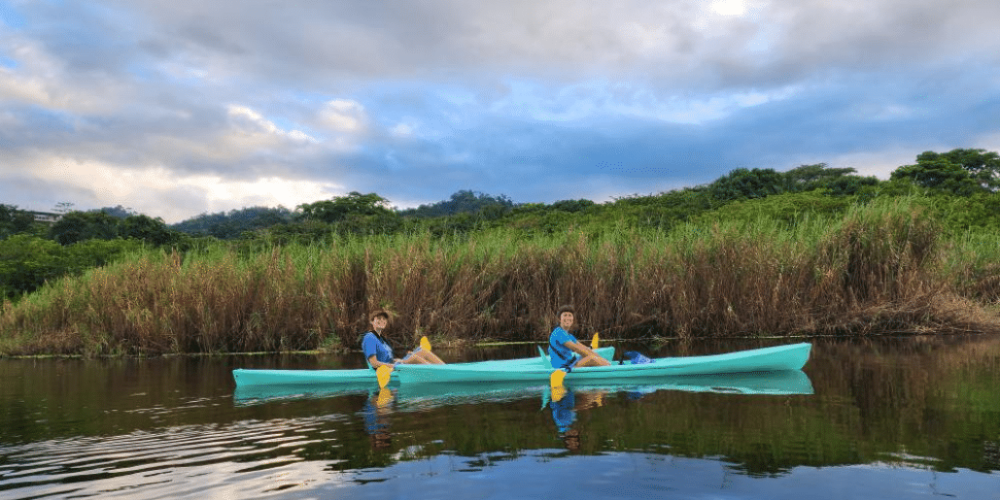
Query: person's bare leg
[[593, 361], [422, 358], [429, 357]]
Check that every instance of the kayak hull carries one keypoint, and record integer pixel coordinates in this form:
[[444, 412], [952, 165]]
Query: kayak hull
[[769, 359], [361, 376], [423, 396]]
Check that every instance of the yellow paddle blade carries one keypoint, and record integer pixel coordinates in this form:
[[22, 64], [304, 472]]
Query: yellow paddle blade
[[558, 392], [383, 373], [384, 398], [425, 344], [556, 379], [595, 342]]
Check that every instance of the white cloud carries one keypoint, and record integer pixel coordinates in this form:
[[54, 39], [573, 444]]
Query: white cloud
[[160, 192], [343, 115], [254, 124], [401, 130], [729, 7]]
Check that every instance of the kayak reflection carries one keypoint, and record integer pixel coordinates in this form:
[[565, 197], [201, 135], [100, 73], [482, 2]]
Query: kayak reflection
[[424, 396], [567, 400]]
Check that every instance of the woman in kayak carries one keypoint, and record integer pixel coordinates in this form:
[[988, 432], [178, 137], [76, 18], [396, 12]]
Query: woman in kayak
[[567, 352], [378, 352]]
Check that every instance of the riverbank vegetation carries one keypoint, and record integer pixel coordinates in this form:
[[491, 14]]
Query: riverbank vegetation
[[812, 251]]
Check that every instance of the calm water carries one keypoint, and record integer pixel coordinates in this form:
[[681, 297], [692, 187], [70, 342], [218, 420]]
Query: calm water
[[878, 418]]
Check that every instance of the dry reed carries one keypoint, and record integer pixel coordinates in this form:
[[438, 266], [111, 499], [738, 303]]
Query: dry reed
[[875, 269]]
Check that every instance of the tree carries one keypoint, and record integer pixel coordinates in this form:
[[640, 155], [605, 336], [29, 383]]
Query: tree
[[839, 181], [338, 209], [27, 261], [80, 226], [117, 211], [938, 172], [148, 229], [14, 221], [235, 223], [573, 205], [465, 201], [747, 184], [982, 166]]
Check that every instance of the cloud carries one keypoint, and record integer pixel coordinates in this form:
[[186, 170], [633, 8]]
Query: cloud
[[342, 115], [539, 100]]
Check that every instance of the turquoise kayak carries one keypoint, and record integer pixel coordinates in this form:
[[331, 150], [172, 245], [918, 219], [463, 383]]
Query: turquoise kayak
[[422, 396], [362, 376], [769, 359]]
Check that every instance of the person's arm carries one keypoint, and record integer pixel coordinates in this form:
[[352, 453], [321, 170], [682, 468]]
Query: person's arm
[[579, 348], [376, 363]]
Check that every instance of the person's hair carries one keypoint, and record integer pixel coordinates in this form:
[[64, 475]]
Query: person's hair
[[377, 314], [566, 308]]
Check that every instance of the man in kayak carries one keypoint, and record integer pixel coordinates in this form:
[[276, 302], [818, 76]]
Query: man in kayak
[[378, 352], [567, 352]]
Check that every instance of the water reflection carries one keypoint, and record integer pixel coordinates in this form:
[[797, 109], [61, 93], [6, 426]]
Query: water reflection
[[377, 409], [565, 402], [903, 418]]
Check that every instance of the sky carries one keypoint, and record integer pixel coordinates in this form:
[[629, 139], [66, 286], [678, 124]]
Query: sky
[[178, 108]]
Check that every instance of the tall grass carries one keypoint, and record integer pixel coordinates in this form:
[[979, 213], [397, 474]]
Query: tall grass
[[875, 268]]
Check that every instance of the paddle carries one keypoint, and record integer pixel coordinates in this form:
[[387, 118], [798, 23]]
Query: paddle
[[558, 392], [595, 342], [384, 398], [384, 372], [556, 379]]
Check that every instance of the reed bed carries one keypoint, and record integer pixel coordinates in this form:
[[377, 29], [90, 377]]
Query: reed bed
[[875, 269]]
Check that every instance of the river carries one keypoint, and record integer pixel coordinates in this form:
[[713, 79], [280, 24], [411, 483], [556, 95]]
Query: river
[[872, 418]]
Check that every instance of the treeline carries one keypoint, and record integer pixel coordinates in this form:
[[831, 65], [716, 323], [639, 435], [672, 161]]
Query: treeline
[[32, 252], [962, 173], [959, 186]]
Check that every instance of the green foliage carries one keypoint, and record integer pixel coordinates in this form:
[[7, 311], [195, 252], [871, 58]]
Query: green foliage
[[982, 166], [80, 226], [939, 174], [27, 262], [76, 227], [464, 201], [14, 221], [145, 228], [742, 184], [235, 223], [789, 208], [573, 206], [962, 172], [979, 212], [838, 181], [342, 207]]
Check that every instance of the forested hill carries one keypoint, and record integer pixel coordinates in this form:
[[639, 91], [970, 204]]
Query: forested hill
[[960, 186]]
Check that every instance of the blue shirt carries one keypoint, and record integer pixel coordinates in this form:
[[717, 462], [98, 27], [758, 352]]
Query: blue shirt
[[562, 356], [373, 344], [564, 412]]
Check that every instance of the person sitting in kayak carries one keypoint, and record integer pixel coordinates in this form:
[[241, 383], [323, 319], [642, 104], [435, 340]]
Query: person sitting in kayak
[[567, 352], [378, 352]]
